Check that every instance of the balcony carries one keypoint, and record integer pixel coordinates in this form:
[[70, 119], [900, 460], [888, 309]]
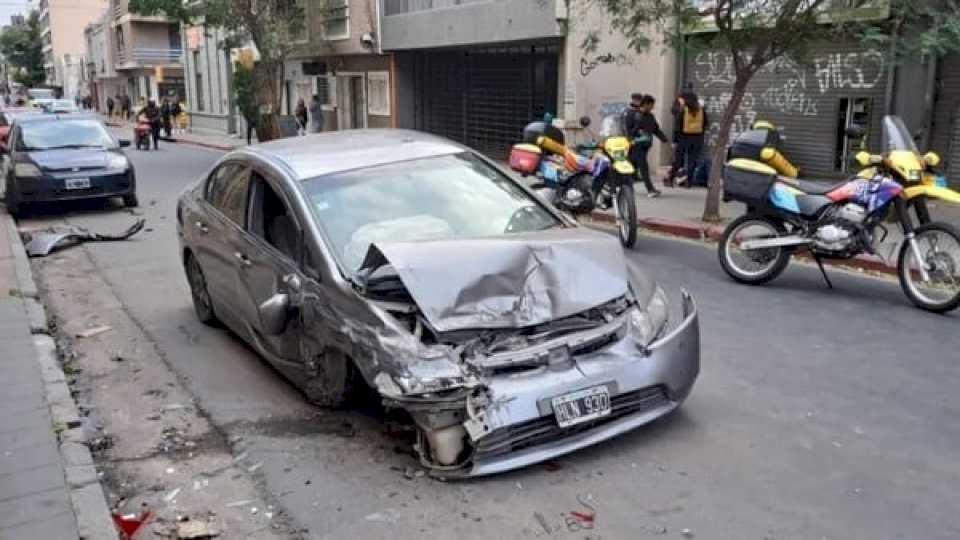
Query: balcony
[[141, 57], [419, 24]]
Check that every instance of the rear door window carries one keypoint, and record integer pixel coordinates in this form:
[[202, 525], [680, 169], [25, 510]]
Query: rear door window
[[227, 191]]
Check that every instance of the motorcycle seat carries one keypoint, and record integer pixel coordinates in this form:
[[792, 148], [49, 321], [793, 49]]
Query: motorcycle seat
[[814, 187]]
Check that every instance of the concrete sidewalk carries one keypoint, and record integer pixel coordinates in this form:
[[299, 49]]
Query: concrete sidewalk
[[48, 483]]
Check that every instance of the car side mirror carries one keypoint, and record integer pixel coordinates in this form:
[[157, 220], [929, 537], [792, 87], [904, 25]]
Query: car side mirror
[[275, 314], [124, 143]]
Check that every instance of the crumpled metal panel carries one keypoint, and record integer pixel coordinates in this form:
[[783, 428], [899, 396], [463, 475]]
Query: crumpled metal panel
[[41, 243], [511, 281]]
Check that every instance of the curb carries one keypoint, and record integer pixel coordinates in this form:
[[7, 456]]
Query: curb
[[86, 494], [713, 233]]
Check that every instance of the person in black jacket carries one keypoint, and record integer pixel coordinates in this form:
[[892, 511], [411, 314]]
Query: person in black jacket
[[641, 127], [152, 114], [690, 126]]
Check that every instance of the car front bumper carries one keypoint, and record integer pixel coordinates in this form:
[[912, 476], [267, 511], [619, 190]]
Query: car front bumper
[[643, 387], [53, 188]]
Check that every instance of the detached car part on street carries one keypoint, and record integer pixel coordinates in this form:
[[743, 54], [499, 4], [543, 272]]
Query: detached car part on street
[[65, 157], [509, 333]]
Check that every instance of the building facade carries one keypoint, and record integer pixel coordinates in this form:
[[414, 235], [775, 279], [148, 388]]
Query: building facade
[[102, 76], [208, 68], [340, 62], [478, 72], [62, 24], [147, 54]]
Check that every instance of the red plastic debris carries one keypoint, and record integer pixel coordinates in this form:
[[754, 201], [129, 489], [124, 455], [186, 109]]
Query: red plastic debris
[[130, 524]]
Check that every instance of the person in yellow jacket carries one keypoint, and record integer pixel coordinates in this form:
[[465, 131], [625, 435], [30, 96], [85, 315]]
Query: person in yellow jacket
[[690, 127]]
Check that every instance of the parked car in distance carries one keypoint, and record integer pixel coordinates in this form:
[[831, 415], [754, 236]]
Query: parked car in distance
[[60, 106], [6, 120], [416, 266], [54, 157]]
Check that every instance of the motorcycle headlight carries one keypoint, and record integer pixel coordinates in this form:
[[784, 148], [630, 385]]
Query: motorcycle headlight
[[27, 170], [649, 321], [118, 163]]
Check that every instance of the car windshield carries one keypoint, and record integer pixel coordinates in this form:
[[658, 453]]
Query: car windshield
[[454, 196], [63, 134], [896, 136]]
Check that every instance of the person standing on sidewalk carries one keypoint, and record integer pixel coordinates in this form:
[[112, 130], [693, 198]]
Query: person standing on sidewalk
[[641, 127], [316, 115], [109, 107], [300, 113], [690, 126]]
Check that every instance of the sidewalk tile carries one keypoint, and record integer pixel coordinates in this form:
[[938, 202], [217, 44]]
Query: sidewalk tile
[[59, 527], [26, 419], [34, 508], [25, 458], [28, 437], [31, 481]]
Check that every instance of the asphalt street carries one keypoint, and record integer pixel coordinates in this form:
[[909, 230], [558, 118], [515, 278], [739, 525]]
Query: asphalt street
[[818, 413]]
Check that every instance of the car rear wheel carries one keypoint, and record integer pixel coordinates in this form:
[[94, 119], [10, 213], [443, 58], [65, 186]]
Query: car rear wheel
[[333, 382], [202, 303]]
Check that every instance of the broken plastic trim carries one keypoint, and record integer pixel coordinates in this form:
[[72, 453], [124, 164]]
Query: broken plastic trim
[[42, 243]]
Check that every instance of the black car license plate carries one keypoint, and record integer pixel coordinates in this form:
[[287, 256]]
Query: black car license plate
[[581, 406], [77, 183]]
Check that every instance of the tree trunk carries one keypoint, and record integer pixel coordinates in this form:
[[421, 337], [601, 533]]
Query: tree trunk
[[711, 208], [265, 76]]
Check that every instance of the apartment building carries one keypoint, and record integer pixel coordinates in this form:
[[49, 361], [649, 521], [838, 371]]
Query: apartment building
[[62, 24], [341, 62], [147, 53]]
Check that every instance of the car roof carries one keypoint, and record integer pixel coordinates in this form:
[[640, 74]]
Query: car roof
[[337, 151]]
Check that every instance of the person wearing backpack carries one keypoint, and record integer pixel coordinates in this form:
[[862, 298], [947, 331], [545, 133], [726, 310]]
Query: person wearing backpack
[[690, 126], [641, 127]]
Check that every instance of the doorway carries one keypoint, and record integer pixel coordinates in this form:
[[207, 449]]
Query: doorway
[[352, 101]]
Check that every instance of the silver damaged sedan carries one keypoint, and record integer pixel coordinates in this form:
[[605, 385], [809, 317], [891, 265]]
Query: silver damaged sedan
[[416, 266]]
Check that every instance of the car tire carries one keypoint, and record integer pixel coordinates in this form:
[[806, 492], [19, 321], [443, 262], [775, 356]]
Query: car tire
[[131, 201], [202, 302], [333, 382]]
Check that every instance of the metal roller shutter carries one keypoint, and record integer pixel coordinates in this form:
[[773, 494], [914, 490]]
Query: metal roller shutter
[[803, 100], [945, 128], [484, 97]]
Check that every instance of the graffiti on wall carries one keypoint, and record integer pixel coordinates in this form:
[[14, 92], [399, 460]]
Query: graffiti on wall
[[788, 87], [588, 65]]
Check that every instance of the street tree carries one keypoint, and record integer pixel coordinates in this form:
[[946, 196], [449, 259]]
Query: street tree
[[271, 28], [22, 46], [756, 33]]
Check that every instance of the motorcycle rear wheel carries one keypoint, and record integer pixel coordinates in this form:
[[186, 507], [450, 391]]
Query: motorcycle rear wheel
[[625, 210], [767, 263], [939, 247]]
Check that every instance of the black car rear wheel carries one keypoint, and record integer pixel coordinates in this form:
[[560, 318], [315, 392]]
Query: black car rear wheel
[[202, 303]]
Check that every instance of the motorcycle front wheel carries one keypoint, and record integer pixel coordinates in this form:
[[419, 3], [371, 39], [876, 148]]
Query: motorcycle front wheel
[[754, 266], [625, 210], [929, 268]]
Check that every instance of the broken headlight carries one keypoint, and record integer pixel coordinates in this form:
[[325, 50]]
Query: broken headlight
[[648, 322]]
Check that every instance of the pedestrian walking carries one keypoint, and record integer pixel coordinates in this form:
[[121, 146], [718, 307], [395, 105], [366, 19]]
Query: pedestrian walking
[[251, 114], [125, 106], [316, 115], [165, 113], [641, 126], [690, 125], [300, 113], [152, 115], [110, 105], [175, 111]]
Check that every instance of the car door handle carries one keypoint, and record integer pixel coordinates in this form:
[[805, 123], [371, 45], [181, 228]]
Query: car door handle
[[202, 227], [243, 259]]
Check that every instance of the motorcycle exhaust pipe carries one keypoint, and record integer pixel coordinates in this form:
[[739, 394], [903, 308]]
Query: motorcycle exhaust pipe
[[783, 241]]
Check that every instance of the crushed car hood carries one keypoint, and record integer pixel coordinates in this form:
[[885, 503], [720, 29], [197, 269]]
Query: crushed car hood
[[511, 281]]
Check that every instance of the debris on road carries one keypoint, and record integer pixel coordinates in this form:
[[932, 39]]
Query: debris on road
[[189, 530], [542, 521], [101, 443], [130, 524], [687, 533], [95, 331], [42, 243], [169, 497], [235, 504]]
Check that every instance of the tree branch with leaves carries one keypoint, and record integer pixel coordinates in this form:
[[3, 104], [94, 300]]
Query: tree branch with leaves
[[22, 46]]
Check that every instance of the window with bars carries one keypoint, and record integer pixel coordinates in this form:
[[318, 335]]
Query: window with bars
[[336, 19], [324, 90]]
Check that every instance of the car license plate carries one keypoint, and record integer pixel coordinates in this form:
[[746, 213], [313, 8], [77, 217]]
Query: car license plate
[[581, 406], [78, 183]]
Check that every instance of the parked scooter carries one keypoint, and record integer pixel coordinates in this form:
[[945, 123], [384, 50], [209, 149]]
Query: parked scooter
[[577, 183], [845, 219]]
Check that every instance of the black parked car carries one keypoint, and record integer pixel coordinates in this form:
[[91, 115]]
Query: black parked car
[[65, 157]]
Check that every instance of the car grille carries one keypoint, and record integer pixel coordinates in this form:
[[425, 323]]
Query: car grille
[[74, 169], [545, 429]]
